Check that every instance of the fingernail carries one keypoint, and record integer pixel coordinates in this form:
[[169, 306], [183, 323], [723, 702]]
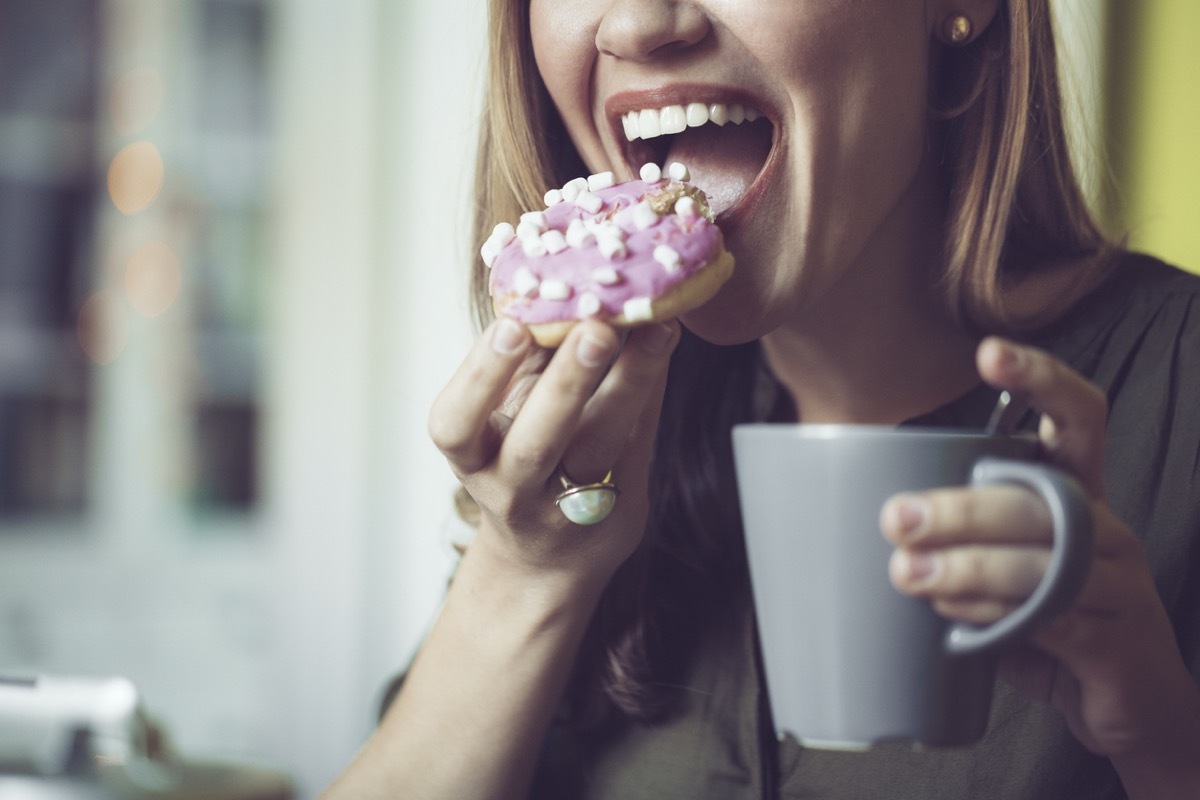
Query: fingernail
[[1048, 433], [591, 352], [918, 568], [906, 515], [1011, 357], [507, 337], [656, 338]]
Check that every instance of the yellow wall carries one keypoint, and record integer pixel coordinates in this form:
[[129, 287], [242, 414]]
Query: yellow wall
[[1154, 122]]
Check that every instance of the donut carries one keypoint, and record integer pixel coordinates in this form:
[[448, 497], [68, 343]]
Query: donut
[[627, 253]]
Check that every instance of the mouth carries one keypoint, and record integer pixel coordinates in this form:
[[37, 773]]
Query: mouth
[[727, 146]]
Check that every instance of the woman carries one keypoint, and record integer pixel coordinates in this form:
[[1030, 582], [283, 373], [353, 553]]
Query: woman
[[904, 201]]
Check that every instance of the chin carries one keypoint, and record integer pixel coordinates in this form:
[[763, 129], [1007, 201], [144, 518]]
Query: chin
[[724, 320]]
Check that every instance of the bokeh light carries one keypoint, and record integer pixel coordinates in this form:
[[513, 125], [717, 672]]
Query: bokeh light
[[135, 100], [152, 279], [102, 327], [135, 177]]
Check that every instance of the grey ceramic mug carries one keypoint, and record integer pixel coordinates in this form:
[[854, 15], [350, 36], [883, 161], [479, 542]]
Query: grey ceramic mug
[[849, 660]]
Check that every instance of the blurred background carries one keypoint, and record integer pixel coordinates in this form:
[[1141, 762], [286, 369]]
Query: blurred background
[[232, 249]]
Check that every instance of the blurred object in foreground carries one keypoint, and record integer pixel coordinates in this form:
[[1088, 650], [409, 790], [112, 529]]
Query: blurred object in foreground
[[83, 738]]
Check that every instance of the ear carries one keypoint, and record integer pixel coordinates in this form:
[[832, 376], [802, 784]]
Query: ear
[[956, 23]]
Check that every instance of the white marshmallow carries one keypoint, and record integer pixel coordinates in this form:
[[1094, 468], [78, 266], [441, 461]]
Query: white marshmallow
[[686, 207], [644, 216], [638, 309], [533, 247], [608, 227], [578, 235], [668, 257], [535, 218], [490, 250], [591, 203], [606, 276], [555, 241], [572, 189], [553, 197], [678, 172], [554, 290], [503, 233], [589, 305], [651, 173], [525, 283], [527, 230], [601, 180], [611, 247]]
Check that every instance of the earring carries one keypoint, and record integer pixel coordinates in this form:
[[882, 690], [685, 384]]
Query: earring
[[957, 30]]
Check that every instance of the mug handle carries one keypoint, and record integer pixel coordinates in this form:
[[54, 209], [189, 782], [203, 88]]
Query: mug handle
[[1069, 564]]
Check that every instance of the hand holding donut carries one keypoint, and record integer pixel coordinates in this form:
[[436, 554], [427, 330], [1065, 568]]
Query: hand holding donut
[[545, 443], [1110, 664], [589, 412]]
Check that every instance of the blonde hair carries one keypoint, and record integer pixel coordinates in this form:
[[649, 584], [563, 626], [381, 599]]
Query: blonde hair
[[1015, 206]]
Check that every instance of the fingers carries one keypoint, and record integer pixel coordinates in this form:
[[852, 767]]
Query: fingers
[[976, 553], [461, 419], [547, 421], [944, 517], [1074, 410], [608, 426], [519, 411]]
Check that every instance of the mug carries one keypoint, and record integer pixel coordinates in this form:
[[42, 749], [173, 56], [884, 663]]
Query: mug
[[849, 661]]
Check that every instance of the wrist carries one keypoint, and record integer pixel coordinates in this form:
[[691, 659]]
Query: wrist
[[1168, 767], [513, 579]]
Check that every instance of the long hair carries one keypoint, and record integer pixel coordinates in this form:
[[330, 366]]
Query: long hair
[[1015, 204], [1015, 212]]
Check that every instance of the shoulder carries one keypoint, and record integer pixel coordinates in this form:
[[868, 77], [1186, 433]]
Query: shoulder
[[1145, 305], [1147, 276]]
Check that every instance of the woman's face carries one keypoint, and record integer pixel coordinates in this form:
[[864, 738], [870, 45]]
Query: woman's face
[[818, 186]]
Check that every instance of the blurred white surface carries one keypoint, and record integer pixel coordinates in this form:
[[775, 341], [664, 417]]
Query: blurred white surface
[[270, 636]]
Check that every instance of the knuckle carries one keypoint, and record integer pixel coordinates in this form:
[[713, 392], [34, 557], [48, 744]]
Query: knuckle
[[953, 513], [444, 435], [962, 575], [589, 456], [447, 435], [529, 457]]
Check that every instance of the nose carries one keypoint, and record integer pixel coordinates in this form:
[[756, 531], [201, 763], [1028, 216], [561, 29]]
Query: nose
[[639, 30]]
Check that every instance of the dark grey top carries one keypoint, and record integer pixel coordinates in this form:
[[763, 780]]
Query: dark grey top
[[1138, 338]]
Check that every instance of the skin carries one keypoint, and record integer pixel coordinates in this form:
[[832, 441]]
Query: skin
[[834, 262]]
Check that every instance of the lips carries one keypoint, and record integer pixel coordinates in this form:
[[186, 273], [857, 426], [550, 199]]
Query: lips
[[726, 143]]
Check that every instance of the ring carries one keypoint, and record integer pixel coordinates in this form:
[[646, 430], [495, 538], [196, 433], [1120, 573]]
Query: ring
[[589, 503]]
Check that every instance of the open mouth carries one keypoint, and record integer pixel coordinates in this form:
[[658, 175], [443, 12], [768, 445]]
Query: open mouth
[[726, 146]]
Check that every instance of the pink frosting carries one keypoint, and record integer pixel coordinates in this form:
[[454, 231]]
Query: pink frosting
[[640, 275]]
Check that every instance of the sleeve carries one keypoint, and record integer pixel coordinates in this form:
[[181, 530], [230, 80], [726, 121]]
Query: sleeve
[[1150, 370]]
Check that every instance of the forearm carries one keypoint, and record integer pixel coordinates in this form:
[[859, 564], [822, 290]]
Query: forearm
[[479, 698]]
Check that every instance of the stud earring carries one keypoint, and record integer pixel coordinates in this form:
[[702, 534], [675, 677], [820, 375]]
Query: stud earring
[[957, 29]]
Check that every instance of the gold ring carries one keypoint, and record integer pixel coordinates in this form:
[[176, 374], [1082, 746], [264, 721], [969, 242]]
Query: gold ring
[[589, 503]]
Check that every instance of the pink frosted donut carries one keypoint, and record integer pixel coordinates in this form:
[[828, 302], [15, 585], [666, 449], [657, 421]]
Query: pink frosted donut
[[628, 254]]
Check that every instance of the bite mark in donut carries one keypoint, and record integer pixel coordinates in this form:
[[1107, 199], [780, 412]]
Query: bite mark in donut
[[628, 254]]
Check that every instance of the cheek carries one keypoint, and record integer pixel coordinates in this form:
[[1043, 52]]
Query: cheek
[[563, 35]]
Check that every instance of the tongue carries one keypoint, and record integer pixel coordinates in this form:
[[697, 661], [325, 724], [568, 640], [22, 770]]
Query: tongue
[[723, 160]]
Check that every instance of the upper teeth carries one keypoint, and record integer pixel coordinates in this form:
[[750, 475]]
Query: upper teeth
[[652, 122]]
